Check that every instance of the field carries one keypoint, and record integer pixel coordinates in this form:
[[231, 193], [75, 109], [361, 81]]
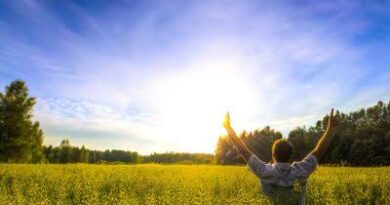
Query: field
[[178, 184]]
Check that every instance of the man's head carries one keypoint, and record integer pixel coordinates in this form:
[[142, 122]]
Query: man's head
[[282, 150]]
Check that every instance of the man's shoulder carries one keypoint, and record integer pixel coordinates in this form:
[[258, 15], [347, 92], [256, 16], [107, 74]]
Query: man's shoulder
[[310, 158], [259, 167], [305, 167]]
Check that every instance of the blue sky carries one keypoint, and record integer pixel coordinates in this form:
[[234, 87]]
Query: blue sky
[[159, 75]]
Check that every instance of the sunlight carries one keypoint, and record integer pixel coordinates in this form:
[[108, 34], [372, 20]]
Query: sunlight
[[193, 103]]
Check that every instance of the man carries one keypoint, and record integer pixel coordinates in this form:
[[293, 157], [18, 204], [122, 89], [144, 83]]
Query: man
[[278, 179]]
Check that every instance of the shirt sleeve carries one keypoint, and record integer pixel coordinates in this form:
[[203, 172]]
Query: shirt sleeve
[[257, 166], [307, 166]]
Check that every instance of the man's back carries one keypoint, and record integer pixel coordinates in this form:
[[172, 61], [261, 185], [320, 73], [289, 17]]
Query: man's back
[[282, 175], [279, 178]]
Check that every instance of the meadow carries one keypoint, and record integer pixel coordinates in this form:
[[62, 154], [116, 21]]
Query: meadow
[[178, 184]]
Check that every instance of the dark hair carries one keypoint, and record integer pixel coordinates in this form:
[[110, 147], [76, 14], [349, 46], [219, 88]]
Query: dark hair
[[282, 150]]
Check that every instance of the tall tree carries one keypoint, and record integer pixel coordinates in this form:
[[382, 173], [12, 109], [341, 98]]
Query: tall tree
[[259, 142], [65, 152], [84, 155], [225, 152], [362, 138], [20, 137]]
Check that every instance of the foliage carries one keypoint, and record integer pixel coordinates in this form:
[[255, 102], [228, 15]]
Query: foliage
[[178, 184], [175, 157], [66, 153], [259, 142], [20, 137], [362, 138]]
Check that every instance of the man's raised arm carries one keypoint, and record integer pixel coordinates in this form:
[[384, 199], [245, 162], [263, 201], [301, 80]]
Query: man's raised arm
[[240, 145], [326, 138]]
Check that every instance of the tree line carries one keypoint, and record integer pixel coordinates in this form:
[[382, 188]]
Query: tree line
[[66, 153], [21, 138], [180, 158], [362, 138]]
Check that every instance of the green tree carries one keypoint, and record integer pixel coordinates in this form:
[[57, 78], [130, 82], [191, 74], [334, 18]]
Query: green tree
[[65, 152], [20, 137], [84, 155], [225, 152], [297, 138], [49, 153], [362, 138], [259, 142]]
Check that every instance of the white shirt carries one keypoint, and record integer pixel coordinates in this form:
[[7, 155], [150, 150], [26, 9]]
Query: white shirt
[[279, 175]]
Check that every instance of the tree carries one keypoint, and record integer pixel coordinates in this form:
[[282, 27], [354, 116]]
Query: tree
[[259, 142], [20, 137], [362, 138], [49, 153], [225, 152], [84, 155], [65, 152], [297, 138]]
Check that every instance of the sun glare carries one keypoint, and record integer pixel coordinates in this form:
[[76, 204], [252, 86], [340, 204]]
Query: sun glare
[[192, 105]]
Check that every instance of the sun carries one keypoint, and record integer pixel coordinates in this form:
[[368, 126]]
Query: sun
[[192, 104]]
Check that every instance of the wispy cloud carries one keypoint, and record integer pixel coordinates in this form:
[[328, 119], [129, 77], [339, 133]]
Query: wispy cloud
[[88, 123], [114, 76]]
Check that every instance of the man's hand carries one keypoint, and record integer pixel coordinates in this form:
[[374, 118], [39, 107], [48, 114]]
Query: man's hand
[[326, 138], [332, 121], [238, 144], [226, 122]]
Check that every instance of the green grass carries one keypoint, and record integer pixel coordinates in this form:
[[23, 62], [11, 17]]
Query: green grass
[[178, 184]]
